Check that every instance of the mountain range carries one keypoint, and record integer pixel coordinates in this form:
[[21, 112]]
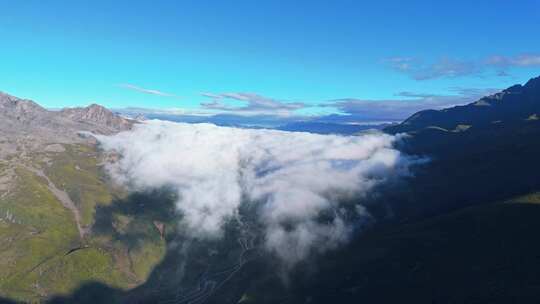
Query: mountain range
[[25, 116], [514, 104]]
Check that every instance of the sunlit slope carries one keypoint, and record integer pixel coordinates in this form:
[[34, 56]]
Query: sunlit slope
[[42, 251]]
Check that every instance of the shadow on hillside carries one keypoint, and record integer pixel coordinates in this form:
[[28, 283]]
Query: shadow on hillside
[[445, 252], [482, 254], [6, 301], [91, 293], [143, 208], [186, 262], [482, 165]]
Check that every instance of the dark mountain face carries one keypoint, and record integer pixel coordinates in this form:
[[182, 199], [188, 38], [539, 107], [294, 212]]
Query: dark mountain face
[[481, 152], [513, 104]]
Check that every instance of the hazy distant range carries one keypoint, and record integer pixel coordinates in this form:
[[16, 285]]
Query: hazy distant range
[[330, 124]]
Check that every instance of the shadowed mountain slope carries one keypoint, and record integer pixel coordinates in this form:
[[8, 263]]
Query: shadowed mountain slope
[[516, 103]]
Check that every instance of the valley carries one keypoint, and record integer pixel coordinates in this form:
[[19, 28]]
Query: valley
[[466, 217]]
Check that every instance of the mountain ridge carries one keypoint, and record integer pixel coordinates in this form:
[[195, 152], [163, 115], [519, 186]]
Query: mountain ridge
[[517, 102], [24, 116]]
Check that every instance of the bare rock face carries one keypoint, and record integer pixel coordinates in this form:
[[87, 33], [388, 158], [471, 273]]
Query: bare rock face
[[16, 110], [97, 115], [24, 122], [15, 106]]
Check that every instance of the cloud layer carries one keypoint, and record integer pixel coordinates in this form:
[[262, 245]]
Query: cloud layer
[[303, 186]]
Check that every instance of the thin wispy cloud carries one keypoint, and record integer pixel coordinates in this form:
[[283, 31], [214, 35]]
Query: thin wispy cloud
[[400, 63], [447, 67], [442, 68], [254, 104], [147, 91], [525, 60]]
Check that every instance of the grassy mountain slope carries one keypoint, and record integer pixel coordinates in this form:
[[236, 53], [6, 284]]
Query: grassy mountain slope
[[42, 253]]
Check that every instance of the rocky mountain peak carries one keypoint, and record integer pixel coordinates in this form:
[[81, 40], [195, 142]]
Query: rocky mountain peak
[[20, 111], [22, 118], [97, 114], [18, 106]]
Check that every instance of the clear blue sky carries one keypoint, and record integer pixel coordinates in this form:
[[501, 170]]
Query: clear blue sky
[[66, 53]]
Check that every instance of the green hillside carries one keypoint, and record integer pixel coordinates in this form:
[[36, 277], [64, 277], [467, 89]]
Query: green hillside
[[41, 251]]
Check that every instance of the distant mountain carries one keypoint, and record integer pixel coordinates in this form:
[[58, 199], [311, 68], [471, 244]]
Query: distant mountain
[[98, 115], [328, 128], [25, 117], [517, 103]]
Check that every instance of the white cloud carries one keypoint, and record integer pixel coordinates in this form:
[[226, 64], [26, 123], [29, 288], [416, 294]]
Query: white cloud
[[290, 178], [147, 91]]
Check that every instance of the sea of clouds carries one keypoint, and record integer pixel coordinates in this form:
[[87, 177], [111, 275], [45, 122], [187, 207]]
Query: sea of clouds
[[291, 178]]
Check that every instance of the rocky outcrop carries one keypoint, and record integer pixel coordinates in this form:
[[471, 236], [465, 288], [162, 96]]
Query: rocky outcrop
[[19, 109]]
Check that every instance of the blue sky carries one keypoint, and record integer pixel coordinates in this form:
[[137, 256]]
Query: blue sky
[[383, 59]]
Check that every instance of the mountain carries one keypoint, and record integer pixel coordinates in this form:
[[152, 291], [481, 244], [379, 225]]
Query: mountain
[[480, 152], [517, 103], [52, 187], [97, 115], [22, 116], [19, 109]]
